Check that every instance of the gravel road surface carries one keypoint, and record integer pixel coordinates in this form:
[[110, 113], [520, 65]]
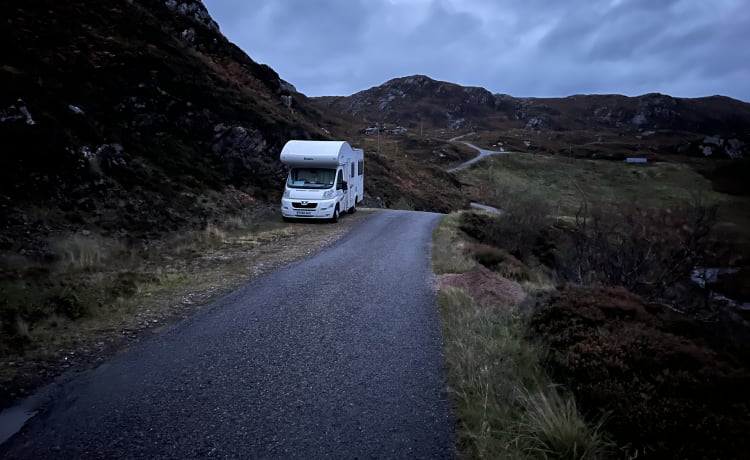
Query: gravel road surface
[[335, 356]]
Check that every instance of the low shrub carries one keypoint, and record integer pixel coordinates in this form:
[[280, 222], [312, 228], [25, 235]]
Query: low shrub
[[500, 261], [670, 395], [637, 248], [403, 203], [477, 225]]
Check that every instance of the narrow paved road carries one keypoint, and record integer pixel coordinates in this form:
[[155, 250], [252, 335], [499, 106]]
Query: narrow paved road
[[483, 153], [336, 356]]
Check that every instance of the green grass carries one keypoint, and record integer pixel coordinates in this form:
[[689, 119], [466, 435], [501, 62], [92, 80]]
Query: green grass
[[563, 182], [449, 254]]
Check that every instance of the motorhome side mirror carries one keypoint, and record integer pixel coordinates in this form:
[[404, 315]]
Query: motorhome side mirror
[[344, 186]]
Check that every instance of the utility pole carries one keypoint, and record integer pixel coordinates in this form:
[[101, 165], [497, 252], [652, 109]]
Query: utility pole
[[378, 126]]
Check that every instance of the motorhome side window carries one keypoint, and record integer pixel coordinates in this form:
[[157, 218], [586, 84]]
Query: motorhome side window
[[340, 181], [361, 167], [311, 178], [352, 175]]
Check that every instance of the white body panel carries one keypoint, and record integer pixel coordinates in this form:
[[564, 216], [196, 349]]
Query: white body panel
[[321, 198]]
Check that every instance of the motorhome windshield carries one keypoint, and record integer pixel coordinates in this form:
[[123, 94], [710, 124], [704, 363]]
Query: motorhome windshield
[[311, 178]]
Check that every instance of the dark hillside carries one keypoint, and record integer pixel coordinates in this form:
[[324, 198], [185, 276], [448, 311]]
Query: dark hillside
[[124, 115]]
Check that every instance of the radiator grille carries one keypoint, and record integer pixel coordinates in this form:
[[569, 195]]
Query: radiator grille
[[300, 205]]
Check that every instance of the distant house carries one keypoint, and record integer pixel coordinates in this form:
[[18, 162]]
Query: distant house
[[636, 160]]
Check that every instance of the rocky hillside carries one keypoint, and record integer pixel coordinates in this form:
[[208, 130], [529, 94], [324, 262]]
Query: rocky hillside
[[135, 116], [706, 126]]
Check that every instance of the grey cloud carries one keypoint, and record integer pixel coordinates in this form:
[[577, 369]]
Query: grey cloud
[[533, 48], [443, 27]]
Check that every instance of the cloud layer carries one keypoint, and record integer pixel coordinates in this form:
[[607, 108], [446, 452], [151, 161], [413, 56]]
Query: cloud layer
[[542, 48]]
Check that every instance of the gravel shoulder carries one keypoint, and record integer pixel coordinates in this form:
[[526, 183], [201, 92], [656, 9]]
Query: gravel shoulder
[[191, 284]]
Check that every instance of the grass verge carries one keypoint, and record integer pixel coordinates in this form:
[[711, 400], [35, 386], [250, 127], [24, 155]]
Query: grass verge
[[448, 251], [505, 403]]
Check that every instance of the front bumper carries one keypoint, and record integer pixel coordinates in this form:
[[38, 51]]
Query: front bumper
[[323, 209]]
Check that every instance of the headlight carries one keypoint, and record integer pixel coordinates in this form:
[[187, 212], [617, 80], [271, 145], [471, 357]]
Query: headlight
[[328, 194], [286, 193]]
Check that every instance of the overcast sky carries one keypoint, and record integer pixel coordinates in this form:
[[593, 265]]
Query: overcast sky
[[533, 48]]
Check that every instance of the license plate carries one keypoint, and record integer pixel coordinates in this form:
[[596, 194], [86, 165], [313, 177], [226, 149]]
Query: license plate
[[304, 213]]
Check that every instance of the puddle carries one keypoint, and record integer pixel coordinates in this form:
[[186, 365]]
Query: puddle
[[485, 207], [12, 419]]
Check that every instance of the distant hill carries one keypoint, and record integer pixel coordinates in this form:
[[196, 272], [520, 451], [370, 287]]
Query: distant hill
[[136, 115], [713, 125]]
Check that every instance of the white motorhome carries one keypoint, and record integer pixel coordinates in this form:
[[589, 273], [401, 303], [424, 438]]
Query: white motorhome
[[325, 179]]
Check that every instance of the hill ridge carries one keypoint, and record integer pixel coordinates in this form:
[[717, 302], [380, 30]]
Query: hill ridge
[[451, 106]]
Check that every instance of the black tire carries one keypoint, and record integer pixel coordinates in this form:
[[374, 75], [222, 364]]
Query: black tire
[[353, 209], [336, 214], [286, 219]]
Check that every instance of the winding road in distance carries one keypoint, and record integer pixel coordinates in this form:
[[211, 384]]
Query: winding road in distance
[[483, 153], [335, 356]]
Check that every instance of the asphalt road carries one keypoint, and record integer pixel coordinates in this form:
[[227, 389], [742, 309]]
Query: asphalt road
[[483, 153], [335, 356]]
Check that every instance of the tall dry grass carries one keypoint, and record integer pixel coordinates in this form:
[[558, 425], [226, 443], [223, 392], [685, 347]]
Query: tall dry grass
[[448, 249], [553, 428], [82, 252], [505, 403]]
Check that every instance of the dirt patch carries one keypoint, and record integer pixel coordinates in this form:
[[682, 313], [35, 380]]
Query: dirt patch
[[486, 287], [676, 388], [192, 279]]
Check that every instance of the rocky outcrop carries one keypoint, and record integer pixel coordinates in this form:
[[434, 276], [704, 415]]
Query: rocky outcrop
[[195, 10], [716, 145], [237, 147], [17, 112], [655, 110]]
